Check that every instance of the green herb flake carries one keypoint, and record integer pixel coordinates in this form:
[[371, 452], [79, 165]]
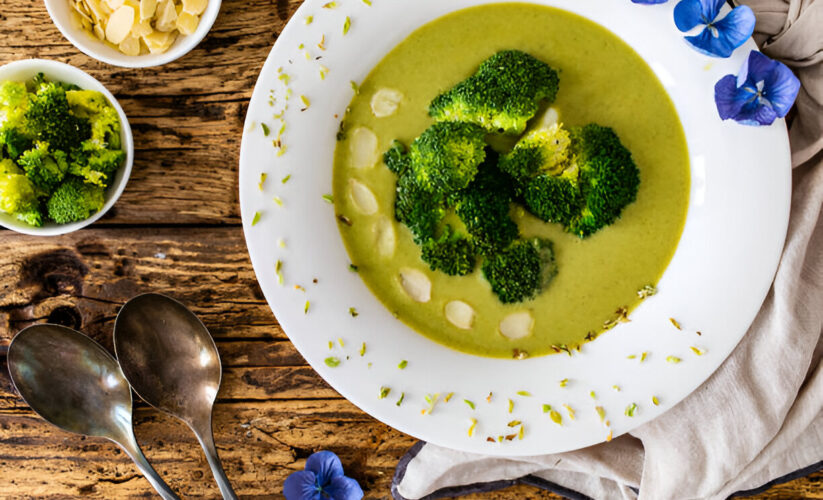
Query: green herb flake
[[353, 312], [330, 5], [630, 410], [363, 350], [384, 391], [306, 101], [564, 382], [448, 397], [644, 356], [570, 410], [592, 395], [631, 356], [673, 359], [346, 25], [402, 397], [340, 341], [331, 345], [306, 307], [278, 268], [616, 388], [472, 426], [600, 413], [308, 20], [655, 401], [286, 179], [353, 268], [676, 323], [525, 394], [403, 364], [431, 400], [332, 362], [698, 350], [514, 423], [262, 180], [469, 403], [255, 219], [266, 129], [546, 408], [277, 200], [367, 2], [511, 406], [329, 199], [556, 417], [521, 433], [355, 87]]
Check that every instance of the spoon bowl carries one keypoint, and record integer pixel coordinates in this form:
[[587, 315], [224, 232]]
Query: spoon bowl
[[74, 383], [170, 359]]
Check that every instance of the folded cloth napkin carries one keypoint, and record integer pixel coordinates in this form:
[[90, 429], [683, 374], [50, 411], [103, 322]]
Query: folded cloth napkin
[[759, 419]]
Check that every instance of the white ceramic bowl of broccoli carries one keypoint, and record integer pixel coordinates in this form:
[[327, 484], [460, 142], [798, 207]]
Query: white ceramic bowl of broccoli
[[26, 70]]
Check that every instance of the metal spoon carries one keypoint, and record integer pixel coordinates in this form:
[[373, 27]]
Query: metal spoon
[[170, 360], [72, 382]]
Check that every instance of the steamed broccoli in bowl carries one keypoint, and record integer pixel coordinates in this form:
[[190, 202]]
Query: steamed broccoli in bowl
[[579, 177], [56, 138]]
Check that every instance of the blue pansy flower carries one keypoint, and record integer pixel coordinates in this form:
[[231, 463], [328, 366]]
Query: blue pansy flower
[[763, 91], [649, 1], [322, 479], [718, 38]]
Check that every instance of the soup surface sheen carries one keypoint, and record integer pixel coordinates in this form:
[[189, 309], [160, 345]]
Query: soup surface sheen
[[602, 80]]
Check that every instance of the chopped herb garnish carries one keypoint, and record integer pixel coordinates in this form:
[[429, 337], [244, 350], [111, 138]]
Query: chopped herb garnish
[[471, 404], [676, 323], [255, 219], [556, 417], [345, 220], [322, 44], [277, 200], [673, 359], [616, 388], [546, 408], [697, 350], [514, 423], [306, 101], [384, 391], [265, 129], [473, 421], [309, 20], [489, 398], [525, 394], [330, 5], [630, 410], [592, 395], [521, 433], [262, 180], [402, 397], [564, 382], [355, 87], [431, 400], [278, 267], [286, 179], [353, 312], [631, 356], [331, 345], [323, 72], [367, 2], [655, 401], [600, 412], [347, 25], [340, 341], [353, 268], [448, 397], [647, 291], [511, 406], [403, 364], [363, 349], [329, 199], [570, 410], [332, 362], [643, 356], [306, 307]]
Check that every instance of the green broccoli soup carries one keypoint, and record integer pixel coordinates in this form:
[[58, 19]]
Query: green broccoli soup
[[511, 180]]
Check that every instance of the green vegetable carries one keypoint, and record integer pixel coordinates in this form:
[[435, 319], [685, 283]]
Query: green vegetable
[[521, 271], [74, 201], [48, 118], [105, 123], [451, 253], [501, 96], [18, 196], [396, 158], [418, 209], [44, 167], [445, 157], [94, 163]]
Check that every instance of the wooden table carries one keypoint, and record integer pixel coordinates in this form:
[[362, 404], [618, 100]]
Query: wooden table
[[177, 230]]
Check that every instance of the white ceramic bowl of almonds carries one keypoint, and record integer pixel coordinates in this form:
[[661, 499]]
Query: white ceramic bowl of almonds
[[134, 33]]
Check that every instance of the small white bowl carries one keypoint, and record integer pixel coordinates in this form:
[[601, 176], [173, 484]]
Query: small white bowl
[[60, 12], [57, 71]]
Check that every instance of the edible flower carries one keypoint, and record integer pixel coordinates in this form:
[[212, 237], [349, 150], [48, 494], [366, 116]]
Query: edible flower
[[322, 479], [763, 91], [719, 37], [649, 2]]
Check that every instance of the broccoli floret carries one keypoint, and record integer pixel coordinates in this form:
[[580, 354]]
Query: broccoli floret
[[484, 208], [420, 210], [45, 167], [609, 178], [18, 196], [13, 101], [47, 118], [13, 143], [94, 163], [502, 96], [396, 158], [451, 253], [545, 150], [554, 198], [105, 123], [74, 201], [521, 271], [445, 157]]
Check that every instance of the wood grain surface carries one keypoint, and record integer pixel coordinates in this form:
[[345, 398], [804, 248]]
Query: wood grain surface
[[176, 231]]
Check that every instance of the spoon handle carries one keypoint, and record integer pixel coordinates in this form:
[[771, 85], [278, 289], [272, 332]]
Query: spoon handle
[[206, 437], [131, 448]]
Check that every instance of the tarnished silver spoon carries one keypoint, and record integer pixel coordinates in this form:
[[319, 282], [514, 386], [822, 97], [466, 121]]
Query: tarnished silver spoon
[[170, 360], [72, 382]]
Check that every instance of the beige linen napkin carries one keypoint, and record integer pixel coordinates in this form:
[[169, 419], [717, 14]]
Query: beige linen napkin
[[760, 416]]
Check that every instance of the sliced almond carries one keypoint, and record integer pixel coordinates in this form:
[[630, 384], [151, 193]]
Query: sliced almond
[[119, 25], [147, 9], [142, 28], [363, 147], [130, 46], [517, 325], [95, 10], [195, 7], [417, 285], [362, 197], [166, 19], [187, 23], [385, 237], [158, 42], [98, 32], [113, 4], [385, 102], [460, 314]]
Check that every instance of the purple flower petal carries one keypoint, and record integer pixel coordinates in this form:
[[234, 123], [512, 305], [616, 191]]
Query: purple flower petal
[[736, 27], [729, 97], [326, 465], [781, 88], [301, 485], [344, 488], [757, 67], [688, 14]]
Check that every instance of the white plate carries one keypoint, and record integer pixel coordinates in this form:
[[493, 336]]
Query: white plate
[[716, 282]]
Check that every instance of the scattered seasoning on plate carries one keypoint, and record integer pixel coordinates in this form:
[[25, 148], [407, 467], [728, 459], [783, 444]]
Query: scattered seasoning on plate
[[278, 270], [355, 87], [431, 400], [402, 397], [308, 20], [255, 219], [647, 291], [367, 2], [346, 25], [286, 179], [643, 356], [556, 417], [363, 350], [616, 388], [403, 364], [673, 359], [600, 413], [472, 426], [262, 180], [353, 312], [277, 200], [265, 129], [306, 307], [570, 410], [384, 391], [305, 100], [655, 401], [631, 356], [340, 341], [514, 423], [469, 403], [330, 5], [353, 268], [489, 398], [592, 395], [511, 406], [448, 397], [564, 382], [525, 394], [698, 350], [630, 410], [676, 323], [331, 345], [332, 362]]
